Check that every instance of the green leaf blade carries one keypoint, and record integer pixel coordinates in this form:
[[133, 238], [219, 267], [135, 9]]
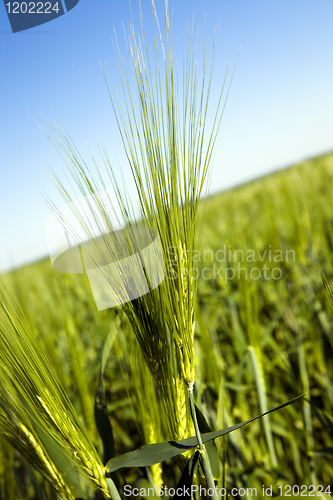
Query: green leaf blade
[[158, 452]]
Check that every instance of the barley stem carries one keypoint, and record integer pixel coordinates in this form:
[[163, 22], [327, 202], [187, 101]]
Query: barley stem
[[194, 418], [112, 489], [204, 459]]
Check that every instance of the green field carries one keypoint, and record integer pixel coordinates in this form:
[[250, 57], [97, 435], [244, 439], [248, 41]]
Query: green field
[[263, 335]]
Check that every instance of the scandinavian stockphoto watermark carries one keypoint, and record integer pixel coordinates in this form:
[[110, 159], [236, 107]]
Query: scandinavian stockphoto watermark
[[228, 263]]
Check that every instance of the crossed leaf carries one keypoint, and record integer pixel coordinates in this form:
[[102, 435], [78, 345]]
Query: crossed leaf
[[158, 452]]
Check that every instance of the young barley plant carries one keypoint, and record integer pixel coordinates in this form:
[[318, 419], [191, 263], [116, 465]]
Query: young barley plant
[[36, 417], [168, 143]]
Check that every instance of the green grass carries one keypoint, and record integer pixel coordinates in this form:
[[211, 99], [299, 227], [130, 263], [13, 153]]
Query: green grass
[[258, 342]]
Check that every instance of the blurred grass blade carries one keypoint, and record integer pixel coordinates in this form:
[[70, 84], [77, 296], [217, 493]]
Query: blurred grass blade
[[186, 478], [325, 419], [304, 375], [101, 415], [323, 452], [80, 382], [155, 453], [261, 392]]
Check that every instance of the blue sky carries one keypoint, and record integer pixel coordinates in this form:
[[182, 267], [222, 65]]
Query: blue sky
[[279, 109]]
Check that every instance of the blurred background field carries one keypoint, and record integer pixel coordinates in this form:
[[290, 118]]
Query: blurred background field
[[259, 341]]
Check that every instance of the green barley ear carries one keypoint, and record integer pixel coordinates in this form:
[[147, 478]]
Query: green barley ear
[[17, 429], [169, 145], [36, 416]]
